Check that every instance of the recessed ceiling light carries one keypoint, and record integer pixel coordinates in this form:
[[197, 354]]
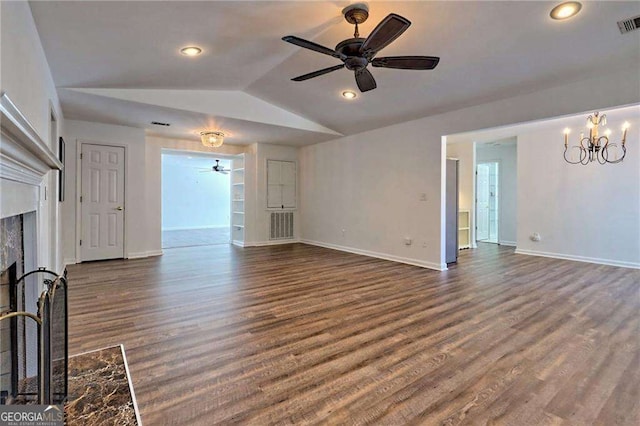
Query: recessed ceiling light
[[565, 10], [349, 94], [191, 51]]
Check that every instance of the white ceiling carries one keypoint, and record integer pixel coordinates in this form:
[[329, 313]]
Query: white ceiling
[[489, 50]]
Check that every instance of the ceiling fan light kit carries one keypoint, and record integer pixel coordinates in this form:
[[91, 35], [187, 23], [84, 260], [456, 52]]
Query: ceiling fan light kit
[[212, 139], [357, 53]]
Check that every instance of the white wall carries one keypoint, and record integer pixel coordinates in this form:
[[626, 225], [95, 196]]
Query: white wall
[[192, 198], [506, 156], [370, 184], [586, 213], [465, 153], [26, 78], [259, 233], [136, 208]]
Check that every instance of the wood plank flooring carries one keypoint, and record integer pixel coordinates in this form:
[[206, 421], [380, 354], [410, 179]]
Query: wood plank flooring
[[298, 334]]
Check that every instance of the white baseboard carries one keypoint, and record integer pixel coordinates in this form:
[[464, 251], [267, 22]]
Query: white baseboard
[[238, 243], [70, 261], [393, 258], [507, 243], [270, 243], [143, 254], [189, 228], [580, 258]]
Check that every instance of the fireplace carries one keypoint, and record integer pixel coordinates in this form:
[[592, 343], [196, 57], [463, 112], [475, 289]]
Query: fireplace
[[33, 320], [29, 302]]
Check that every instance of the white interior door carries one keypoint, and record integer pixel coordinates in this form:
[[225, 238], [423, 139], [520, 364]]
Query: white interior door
[[482, 202], [102, 202]]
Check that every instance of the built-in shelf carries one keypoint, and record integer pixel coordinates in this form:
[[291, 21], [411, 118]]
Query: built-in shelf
[[237, 196], [464, 229]]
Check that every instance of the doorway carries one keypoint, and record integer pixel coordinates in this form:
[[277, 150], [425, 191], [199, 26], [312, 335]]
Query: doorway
[[196, 199], [487, 202]]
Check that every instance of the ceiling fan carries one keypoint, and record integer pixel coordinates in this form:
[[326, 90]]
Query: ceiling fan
[[217, 168], [356, 53]]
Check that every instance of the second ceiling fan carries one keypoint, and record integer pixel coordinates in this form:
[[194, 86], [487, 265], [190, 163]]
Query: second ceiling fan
[[356, 53]]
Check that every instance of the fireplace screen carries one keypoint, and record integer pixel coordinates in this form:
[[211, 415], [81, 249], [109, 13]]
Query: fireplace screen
[[38, 340]]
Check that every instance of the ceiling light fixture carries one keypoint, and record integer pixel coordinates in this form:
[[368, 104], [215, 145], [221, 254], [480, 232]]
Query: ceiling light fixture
[[596, 147], [349, 94], [191, 51], [212, 139], [565, 10]]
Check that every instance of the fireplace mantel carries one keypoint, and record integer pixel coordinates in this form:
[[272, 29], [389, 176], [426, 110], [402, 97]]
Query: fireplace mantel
[[24, 156]]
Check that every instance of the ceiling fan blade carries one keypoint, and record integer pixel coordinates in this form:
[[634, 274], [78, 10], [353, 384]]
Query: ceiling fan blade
[[317, 73], [312, 46], [365, 80], [389, 29], [407, 62]]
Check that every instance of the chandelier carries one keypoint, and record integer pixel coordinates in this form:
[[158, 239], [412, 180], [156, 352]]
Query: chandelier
[[212, 139], [596, 147]]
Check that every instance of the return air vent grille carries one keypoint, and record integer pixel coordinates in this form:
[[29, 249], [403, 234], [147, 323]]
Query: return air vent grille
[[281, 227], [629, 24]]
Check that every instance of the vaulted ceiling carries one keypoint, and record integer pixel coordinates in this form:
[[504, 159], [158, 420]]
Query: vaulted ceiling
[[119, 62]]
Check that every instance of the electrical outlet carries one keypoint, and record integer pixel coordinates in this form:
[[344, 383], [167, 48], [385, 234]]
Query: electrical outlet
[[344, 232], [423, 197], [535, 237], [408, 241]]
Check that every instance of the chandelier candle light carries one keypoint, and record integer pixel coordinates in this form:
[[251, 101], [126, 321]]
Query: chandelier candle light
[[212, 139], [596, 147]]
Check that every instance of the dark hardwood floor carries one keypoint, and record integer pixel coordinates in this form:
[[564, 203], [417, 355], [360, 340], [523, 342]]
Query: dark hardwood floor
[[298, 334]]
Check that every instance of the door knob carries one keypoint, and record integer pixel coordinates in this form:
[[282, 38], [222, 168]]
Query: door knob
[[120, 208]]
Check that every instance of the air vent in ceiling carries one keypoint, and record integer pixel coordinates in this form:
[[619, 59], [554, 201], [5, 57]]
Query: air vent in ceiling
[[629, 24], [158, 123]]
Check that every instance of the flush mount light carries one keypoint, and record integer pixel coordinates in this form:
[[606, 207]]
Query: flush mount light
[[212, 139], [191, 51], [349, 94], [565, 10]]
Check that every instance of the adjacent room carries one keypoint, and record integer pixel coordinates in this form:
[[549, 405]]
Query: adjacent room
[[196, 200], [288, 212]]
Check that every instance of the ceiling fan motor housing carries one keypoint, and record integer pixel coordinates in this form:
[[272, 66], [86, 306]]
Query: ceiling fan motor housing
[[351, 49]]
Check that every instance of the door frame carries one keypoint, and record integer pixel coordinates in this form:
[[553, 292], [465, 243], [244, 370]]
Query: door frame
[[475, 200], [79, 143]]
